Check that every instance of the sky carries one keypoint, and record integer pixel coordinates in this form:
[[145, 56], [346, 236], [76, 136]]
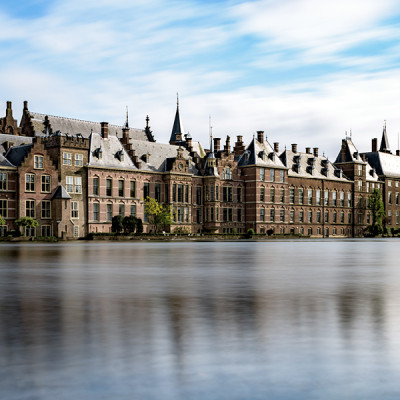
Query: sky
[[303, 71]]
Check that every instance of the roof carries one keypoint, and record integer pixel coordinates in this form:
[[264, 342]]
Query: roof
[[16, 140], [384, 142], [61, 193], [306, 165], [16, 154], [348, 153], [177, 127], [75, 126], [384, 163], [260, 154], [4, 162]]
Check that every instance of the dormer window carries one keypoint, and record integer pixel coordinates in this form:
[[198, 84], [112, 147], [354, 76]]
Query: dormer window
[[120, 155], [99, 153], [272, 156], [146, 157], [262, 155]]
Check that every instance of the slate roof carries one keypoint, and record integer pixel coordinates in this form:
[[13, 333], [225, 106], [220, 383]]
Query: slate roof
[[17, 140], [384, 142], [177, 127], [61, 193], [384, 163], [74, 126], [351, 154], [307, 165], [111, 150], [260, 154], [4, 162], [16, 154]]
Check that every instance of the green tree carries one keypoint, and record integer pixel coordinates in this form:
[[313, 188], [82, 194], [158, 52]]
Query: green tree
[[159, 215], [26, 222], [116, 224], [375, 204], [129, 224], [139, 226], [2, 220]]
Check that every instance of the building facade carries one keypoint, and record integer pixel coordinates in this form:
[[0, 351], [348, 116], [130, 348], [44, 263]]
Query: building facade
[[73, 176]]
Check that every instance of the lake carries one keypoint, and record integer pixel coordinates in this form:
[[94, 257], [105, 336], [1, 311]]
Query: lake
[[293, 319]]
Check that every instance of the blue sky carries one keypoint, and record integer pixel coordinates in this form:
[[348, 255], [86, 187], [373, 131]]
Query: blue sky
[[304, 71]]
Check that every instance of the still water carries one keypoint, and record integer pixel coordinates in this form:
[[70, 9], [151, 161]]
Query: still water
[[243, 320]]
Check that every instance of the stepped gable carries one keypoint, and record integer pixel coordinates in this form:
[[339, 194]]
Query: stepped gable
[[108, 153], [311, 166], [260, 154], [47, 124], [159, 154]]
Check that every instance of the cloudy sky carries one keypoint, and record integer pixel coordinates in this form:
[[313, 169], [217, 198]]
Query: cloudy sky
[[304, 71]]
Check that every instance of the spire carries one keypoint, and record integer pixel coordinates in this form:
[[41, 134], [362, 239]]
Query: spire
[[127, 119], [177, 131], [384, 142]]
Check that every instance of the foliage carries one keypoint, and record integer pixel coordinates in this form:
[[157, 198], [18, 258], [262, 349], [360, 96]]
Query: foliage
[[2, 220], [181, 230], [27, 221], [375, 204], [116, 224], [250, 233], [159, 215], [129, 224], [139, 226]]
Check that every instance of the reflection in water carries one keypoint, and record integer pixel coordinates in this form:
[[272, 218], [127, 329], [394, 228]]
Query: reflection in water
[[244, 320]]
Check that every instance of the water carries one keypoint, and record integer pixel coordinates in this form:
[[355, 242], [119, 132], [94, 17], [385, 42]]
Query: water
[[241, 320]]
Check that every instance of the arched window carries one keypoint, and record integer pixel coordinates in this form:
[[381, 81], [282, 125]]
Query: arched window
[[227, 174]]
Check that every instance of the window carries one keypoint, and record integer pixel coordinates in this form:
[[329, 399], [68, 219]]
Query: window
[[74, 209], [359, 184], [133, 210], [198, 215], [239, 215], [291, 195], [342, 217], [301, 196], [30, 208], [282, 215], [69, 180], [310, 216], [132, 189], [211, 214], [282, 196], [348, 199], [397, 217], [76, 231], [318, 216], [271, 175], [78, 160], [368, 218], [157, 192], [397, 198], [239, 195], [281, 176], [367, 186], [318, 197], [227, 174], [262, 174], [262, 194], [67, 159], [78, 184], [326, 217], [121, 188], [46, 183], [121, 209], [180, 193], [109, 213], [359, 169], [108, 187], [334, 198], [326, 198], [389, 183], [390, 197], [29, 182], [341, 199], [3, 180], [334, 217], [301, 216], [272, 215], [96, 186], [38, 162], [212, 197], [96, 211], [3, 208], [349, 218], [291, 215], [309, 196], [262, 214], [29, 231], [227, 194], [198, 195], [187, 193], [186, 214], [272, 195], [46, 230], [46, 209]]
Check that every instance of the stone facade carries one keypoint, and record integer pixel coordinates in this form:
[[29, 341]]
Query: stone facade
[[73, 176]]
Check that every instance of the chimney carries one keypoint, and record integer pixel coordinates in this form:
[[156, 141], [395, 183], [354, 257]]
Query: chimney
[[308, 150], [397, 152], [227, 147], [9, 109], [125, 135], [25, 105], [276, 146], [217, 144], [374, 144], [294, 148], [315, 151], [104, 130], [260, 136], [239, 146]]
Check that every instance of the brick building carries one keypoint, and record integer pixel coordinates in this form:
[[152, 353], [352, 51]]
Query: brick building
[[73, 176]]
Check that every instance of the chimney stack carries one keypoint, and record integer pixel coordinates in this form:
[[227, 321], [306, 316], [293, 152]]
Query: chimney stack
[[25, 105], [104, 130], [227, 147], [315, 151], [217, 144], [276, 146], [397, 152], [260, 136], [308, 150], [239, 146], [294, 148], [375, 144]]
